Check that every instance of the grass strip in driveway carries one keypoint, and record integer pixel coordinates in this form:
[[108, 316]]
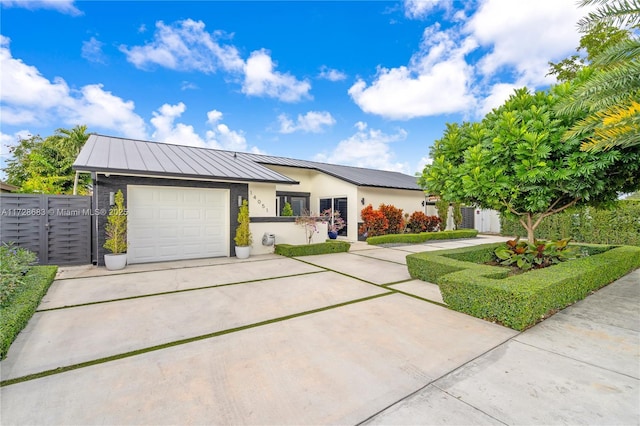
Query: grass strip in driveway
[[85, 333], [175, 291], [9, 382]]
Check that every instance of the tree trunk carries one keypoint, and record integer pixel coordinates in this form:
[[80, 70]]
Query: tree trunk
[[527, 223]]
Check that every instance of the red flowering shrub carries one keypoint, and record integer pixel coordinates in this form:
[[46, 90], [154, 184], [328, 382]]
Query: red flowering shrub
[[394, 217], [420, 222], [373, 222]]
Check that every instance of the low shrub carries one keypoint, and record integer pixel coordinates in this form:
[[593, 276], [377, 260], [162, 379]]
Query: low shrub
[[23, 303], [15, 262], [374, 222], [422, 237], [420, 222], [331, 246], [519, 301], [394, 218]]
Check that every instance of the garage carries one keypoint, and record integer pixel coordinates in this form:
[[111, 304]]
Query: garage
[[172, 223]]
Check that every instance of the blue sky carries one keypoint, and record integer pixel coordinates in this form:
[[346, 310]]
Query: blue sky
[[369, 84]]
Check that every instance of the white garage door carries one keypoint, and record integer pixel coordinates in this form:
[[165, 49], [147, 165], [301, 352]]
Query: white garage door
[[171, 223]]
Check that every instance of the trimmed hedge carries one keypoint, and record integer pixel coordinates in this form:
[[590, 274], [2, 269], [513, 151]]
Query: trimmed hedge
[[518, 301], [421, 237], [330, 246], [23, 304], [619, 225]]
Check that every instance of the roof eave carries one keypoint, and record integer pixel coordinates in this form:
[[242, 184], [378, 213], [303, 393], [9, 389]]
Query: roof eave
[[126, 172]]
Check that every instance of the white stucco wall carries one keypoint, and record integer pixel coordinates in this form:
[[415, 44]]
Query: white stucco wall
[[408, 201], [262, 199], [286, 233], [321, 185]]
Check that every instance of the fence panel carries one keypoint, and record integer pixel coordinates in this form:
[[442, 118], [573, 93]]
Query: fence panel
[[56, 227]]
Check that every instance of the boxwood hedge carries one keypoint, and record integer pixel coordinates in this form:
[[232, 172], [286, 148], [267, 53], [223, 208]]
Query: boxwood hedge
[[331, 246], [421, 237], [518, 301], [23, 303]]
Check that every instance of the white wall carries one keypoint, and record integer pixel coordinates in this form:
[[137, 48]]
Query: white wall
[[262, 200], [285, 232], [408, 201], [487, 221]]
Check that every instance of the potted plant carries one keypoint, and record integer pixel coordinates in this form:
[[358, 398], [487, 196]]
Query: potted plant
[[116, 231], [243, 236], [335, 222]]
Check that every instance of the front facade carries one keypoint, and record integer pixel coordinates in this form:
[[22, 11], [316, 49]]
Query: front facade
[[182, 202]]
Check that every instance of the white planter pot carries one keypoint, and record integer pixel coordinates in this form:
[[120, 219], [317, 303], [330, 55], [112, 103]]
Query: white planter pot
[[114, 262], [243, 252]]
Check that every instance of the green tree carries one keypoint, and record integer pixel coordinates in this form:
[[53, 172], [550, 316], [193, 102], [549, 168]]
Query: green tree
[[45, 165], [610, 89], [517, 162], [599, 38]]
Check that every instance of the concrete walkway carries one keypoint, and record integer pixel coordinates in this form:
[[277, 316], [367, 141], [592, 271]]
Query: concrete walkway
[[331, 339]]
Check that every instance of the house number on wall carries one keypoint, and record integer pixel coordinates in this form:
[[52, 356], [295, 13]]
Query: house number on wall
[[260, 203]]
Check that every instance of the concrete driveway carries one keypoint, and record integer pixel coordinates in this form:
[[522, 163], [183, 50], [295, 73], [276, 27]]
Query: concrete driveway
[[330, 339]]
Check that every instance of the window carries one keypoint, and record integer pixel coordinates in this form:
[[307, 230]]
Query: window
[[299, 202]]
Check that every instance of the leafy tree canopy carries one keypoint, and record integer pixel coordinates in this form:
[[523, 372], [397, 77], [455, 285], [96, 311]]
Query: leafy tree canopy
[[44, 165], [516, 161]]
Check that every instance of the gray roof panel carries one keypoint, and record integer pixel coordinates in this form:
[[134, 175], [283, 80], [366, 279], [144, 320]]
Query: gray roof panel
[[118, 155], [356, 175], [111, 154]]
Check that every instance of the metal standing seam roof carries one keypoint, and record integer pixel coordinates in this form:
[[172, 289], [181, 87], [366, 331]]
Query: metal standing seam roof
[[356, 175], [128, 156]]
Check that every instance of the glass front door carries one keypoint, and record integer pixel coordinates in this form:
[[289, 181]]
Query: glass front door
[[336, 204]]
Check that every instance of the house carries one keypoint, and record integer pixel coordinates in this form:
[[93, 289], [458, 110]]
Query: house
[[6, 187], [182, 202]]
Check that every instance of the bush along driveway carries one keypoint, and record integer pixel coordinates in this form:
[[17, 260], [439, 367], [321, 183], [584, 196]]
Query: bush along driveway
[[518, 301]]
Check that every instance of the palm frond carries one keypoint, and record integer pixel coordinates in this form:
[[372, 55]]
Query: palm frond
[[619, 12]]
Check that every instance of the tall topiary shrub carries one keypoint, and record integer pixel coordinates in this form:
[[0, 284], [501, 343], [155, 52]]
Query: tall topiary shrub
[[457, 215], [116, 228], [443, 213], [243, 236]]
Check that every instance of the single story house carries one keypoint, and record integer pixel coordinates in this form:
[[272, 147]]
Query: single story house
[[182, 201], [7, 187]]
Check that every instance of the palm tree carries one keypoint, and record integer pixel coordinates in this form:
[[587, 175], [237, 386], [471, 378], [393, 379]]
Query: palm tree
[[611, 90]]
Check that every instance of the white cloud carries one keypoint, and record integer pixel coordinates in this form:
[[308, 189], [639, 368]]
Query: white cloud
[[63, 6], [436, 81], [499, 93], [367, 148], [166, 130], [330, 74], [261, 80], [417, 9], [224, 138], [28, 97], [92, 51], [214, 116], [185, 46], [96, 107], [220, 136], [187, 85], [311, 122], [525, 36], [518, 40]]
